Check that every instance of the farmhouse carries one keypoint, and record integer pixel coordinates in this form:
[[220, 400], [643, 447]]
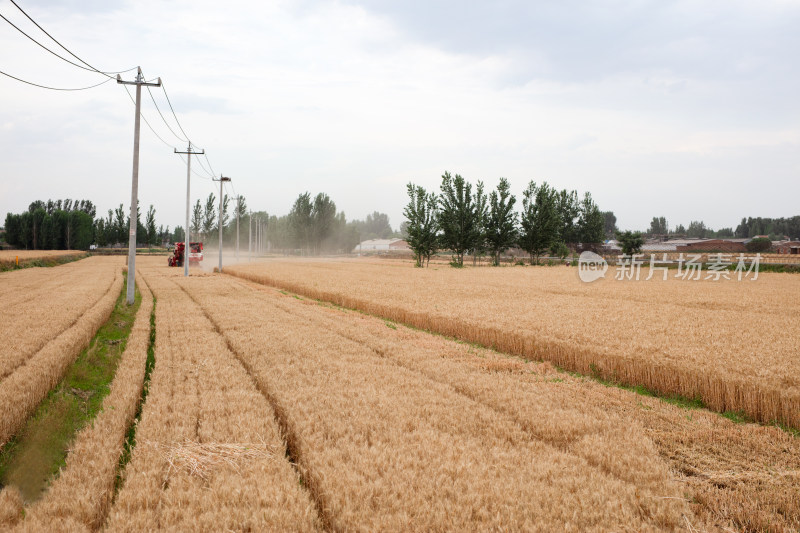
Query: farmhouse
[[377, 245], [788, 247]]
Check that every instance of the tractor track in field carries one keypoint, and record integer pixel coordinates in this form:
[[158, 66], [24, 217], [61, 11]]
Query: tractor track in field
[[281, 417], [332, 325]]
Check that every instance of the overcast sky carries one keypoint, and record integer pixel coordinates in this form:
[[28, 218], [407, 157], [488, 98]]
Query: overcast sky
[[688, 110]]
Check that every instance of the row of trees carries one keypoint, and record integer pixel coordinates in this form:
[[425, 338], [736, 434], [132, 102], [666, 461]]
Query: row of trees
[[59, 225], [473, 223], [314, 226], [775, 228]]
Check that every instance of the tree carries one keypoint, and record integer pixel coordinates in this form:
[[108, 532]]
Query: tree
[[758, 245], [568, 209], [696, 229], [540, 222], [422, 225], [150, 226], [609, 224], [323, 215], [225, 216], [458, 217], [590, 221], [197, 220], [482, 217], [240, 210], [376, 226], [120, 225], [209, 215], [631, 242], [301, 220], [658, 226], [501, 222]]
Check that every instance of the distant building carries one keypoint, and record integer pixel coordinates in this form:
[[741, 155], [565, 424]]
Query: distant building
[[380, 245], [788, 247]]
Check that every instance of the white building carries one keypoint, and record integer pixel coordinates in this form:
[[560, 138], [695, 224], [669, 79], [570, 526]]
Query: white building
[[377, 245]]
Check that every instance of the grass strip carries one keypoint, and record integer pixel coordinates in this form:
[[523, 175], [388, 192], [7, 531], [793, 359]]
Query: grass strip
[[130, 435], [38, 451]]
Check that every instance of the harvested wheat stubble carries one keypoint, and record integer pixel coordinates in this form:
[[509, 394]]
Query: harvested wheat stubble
[[81, 495], [386, 448], [209, 455], [32, 316], [22, 391], [726, 342], [736, 476]]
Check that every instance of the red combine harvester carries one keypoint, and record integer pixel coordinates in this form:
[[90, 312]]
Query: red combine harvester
[[195, 254]]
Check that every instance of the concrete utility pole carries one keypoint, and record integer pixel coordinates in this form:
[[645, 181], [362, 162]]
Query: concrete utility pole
[[221, 180], [135, 181], [237, 227], [250, 238], [188, 153]]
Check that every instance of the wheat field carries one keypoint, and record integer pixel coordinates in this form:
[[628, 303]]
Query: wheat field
[[272, 411], [730, 343], [47, 317]]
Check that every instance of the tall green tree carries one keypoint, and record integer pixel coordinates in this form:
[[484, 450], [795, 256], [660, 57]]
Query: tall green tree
[[568, 209], [501, 222], [323, 216], [150, 226], [590, 221], [301, 220], [422, 223], [197, 221], [540, 222], [482, 220], [458, 217], [209, 215], [658, 226], [609, 224]]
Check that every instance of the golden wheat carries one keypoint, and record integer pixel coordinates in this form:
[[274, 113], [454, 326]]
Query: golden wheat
[[209, 455], [385, 447], [39, 304], [81, 495], [730, 343], [23, 389]]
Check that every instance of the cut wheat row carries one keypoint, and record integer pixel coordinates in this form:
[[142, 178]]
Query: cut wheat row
[[22, 391], [81, 495], [386, 449], [31, 317], [716, 341], [208, 455]]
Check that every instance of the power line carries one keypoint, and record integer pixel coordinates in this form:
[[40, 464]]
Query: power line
[[173, 111], [194, 172], [43, 46], [200, 162], [165, 120], [55, 88], [65, 48], [209, 165], [145, 120]]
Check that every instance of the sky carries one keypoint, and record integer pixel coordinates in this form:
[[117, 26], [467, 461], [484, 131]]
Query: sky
[[687, 110]]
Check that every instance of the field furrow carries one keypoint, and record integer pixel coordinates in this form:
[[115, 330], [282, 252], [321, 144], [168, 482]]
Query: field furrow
[[724, 342], [21, 391], [81, 495], [209, 454], [385, 446]]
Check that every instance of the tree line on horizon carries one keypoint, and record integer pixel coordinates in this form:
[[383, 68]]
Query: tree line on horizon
[[312, 226], [466, 222]]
